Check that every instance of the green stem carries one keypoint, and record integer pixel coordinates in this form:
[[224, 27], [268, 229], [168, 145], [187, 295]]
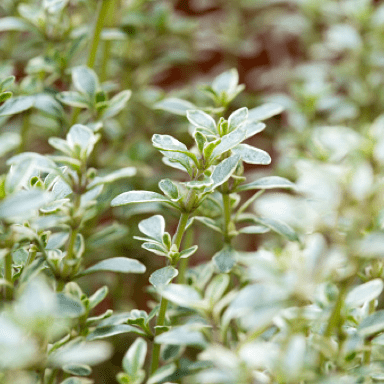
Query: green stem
[[107, 44], [181, 229], [227, 216], [8, 290], [367, 352], [156, 347], [248, 203], [164, 302], [103, 11], [24, 132], [183, 263]]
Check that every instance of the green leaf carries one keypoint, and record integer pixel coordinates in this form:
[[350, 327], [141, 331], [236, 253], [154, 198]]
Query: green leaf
[[268, 182], [85, 81], [279, 227], [162, 373], [236, 118], [81, 353], [163, 276], [265, 111], [5, 96], [183, 295], [225, 259], [371, 246], [228, 142], [69, 307], [74, 99], [217, 288], [153, 227], [23, 203], [223, 171], [15, 24], [226, 82], [372, 324], [199, 184], [134, 359], [175, 105], [77, 369], [252, 155], [169, 188], [364, 293], [9, 141], [76, 380], [7, 82], [136, 197], [178, 160], [116, 264], [98, 297], [113, 176], [16, 105], [254, 229], [210, 223], [112, 330], [201, 119], [116, 104], [169, 143], [251, 128], [49, 105], [81, 136], [183, 335], [188, 252], [155, 248]]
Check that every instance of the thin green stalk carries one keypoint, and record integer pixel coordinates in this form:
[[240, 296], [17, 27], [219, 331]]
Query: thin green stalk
[[102, 14], [183, 263], [367, 352], [24, 131], [164, 302], [156, 347], [227, 216], [8, 289], [248, 203]]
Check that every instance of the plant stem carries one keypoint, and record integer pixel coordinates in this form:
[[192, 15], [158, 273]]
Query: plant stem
[[8, 290], [183, 264], [24, 131], [227, 216], [107, 44], [156, 347], [164, 302], [367, 352], [102, 14]]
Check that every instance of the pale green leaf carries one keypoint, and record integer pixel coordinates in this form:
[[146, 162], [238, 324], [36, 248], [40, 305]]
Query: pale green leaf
[[16, 105], [175, 105], [15, 24], [188, 252], [169, 188], [77, 369], [182, 295], [153, 227], [182, 335], [236, 118], [252, 155], [268, 182], [201, 119], [279, 227], [228, 142], [134, 359], [135, 197], [226, 82], [85, 81], [116, 264], [162, 373], [98, 297], [163, 276], [113, 176], [9, 141], [74, 99], [116, 104], [225, 259], [223, 171], [265, 111], [364, 293], [112, 330], [372, 324]]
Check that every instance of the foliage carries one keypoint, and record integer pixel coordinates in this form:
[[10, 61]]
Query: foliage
[[265, 275]]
